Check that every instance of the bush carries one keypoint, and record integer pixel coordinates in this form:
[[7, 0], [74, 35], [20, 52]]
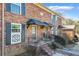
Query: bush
[[60, 40], [31, 50]]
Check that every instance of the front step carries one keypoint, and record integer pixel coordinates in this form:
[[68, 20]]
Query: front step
[[47, 49]]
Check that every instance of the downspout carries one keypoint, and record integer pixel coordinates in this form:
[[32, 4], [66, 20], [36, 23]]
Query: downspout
[[2, 29]]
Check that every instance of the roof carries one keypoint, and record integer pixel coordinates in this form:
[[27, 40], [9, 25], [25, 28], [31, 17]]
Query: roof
[[68, 27], [46, 23], [33, 21], [46, 9], [37, 22]]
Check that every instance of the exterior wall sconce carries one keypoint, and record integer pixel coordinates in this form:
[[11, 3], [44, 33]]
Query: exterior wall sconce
[[41, 13], [41, 27], [28, 26]]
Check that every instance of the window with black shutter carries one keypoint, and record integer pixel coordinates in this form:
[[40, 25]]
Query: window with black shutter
[[16, 8], [15, 33]]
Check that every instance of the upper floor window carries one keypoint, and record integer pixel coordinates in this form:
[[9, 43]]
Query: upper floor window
[[53, 19], [16, 8]]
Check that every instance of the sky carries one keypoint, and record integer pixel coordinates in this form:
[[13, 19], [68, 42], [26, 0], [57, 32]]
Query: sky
[[68, 10]]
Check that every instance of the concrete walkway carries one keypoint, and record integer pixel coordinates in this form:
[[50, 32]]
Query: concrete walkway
[[71, 50]]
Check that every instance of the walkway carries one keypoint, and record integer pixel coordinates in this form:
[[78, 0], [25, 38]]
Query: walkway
[[58, 52]]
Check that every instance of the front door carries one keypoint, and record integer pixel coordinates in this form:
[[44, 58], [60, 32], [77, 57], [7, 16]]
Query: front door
[[45, 34], [34, 31]]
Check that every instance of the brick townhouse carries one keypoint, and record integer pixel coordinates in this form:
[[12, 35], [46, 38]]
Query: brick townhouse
[[23, 23]]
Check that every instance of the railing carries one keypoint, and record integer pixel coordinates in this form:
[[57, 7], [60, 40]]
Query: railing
[[45, 37]]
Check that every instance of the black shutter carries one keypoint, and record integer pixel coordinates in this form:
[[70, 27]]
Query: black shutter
[[23, 33], [8, 7], [23, 9], [8, 33]]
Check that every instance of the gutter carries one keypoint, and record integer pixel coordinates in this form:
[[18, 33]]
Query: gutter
[[3, 29]]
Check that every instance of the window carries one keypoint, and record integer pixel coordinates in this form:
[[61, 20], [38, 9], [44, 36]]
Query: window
[[15, 28], [33, 30], [16, 8], [15, 33]]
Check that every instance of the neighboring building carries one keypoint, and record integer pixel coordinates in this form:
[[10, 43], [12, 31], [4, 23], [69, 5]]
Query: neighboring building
[[24, 23], [0, 27], [69, 31]]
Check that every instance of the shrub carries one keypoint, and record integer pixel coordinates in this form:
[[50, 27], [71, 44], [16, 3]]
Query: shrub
[[60, 40]]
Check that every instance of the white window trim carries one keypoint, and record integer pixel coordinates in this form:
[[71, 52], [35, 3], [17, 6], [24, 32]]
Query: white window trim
[[16, 33]]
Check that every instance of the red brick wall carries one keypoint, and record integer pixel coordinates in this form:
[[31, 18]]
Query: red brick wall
[[13, 18], [32, 11]]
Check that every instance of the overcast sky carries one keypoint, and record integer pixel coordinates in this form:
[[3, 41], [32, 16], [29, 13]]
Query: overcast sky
[[68, 10]]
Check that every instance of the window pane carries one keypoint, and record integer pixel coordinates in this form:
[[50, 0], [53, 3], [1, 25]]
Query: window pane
[[14, 26], [33, 30], [15, 30], [15, 8], [18, 4]]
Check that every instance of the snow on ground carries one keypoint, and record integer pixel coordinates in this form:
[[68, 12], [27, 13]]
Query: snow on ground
[[76, 46], [58, 54]]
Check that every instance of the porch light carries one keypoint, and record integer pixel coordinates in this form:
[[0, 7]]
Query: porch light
[[41, 27], [41, 13], [28, 26]]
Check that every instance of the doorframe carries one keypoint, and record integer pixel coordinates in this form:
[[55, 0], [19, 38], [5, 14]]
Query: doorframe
[[35, 30]]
